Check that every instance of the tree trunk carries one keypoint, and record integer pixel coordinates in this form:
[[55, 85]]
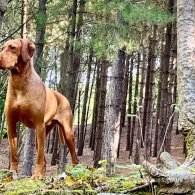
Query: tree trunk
[[163, 118], [124, 99], [3, 8], [28, 152], [41, 20], [129, 104], [24, 18], [113, 112], [125, 90], [77, 51], [83, 118], [148, 107], [95, 109], [55, 153], [101, 111], [133, 128], [158, 108]]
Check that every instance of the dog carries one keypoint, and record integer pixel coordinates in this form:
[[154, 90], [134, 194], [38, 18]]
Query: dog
[[28, 100]]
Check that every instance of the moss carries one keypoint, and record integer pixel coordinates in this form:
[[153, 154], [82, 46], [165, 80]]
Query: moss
[[190, 142], [23, 186], [81, 192]]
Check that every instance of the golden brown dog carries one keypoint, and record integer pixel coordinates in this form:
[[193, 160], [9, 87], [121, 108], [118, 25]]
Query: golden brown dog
[[28, 100]]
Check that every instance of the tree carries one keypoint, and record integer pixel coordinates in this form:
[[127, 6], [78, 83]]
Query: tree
[[101, 112], [113, 112], [83, 118], [3, 7]]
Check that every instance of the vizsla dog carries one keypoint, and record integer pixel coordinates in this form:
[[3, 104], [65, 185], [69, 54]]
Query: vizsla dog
[[28, 100]]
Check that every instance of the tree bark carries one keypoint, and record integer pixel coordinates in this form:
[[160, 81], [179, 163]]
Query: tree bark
[[148, 107], [113, 112], [41, 20], [3, 8], [135, 102], [163, 118], [129, 104], [158, 108], [125, 90], [101, 111], [124, 98], [95, 109], [28, 152], [83, 118]]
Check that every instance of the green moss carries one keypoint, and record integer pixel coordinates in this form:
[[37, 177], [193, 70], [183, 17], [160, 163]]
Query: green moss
[[190, 141], [22, 186], [81, 192]]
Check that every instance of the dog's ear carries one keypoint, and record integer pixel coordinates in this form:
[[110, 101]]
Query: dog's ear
[[27, 50]]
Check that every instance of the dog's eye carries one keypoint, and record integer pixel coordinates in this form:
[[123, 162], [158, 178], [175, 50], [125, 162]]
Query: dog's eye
[[12, 47]]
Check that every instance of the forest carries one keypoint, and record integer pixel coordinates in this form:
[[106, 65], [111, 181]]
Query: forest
[[127, 69]]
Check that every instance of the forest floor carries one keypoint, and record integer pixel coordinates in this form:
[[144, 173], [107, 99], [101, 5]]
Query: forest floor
[[87, 158]]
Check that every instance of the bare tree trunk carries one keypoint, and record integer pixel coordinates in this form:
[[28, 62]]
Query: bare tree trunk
[[186, 72], [158, 108], [125, 90], [28, 152], [129, 104], [24, 18], [77, 50], [113, 112], [172, 100], [133, 128], [149, 92], [40, 35], [163, 119], [3, 8], [52, 141], [95, 107], [82, 127], [2, 125], [124, 99], [55, 152], [90, 96], [78, 118], [101, 111]]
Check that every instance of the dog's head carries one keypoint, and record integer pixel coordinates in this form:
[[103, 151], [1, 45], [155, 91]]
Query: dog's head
[[16, 51]]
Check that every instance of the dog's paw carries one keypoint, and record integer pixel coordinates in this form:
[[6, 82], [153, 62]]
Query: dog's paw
[[39, 172], [38, 176]]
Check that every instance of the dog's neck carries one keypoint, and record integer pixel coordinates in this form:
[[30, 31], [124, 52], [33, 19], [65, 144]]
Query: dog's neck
[[23, 76], [22, 68]]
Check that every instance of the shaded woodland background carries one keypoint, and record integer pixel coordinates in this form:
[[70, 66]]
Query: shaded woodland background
[[115, 61]]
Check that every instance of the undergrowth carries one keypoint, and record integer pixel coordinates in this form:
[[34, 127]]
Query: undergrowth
[[78, 180]]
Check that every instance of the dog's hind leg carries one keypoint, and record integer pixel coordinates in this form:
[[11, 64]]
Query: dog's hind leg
[[67, 134]]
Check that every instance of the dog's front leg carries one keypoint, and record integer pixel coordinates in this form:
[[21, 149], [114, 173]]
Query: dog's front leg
[[12, 137], [40, 168]]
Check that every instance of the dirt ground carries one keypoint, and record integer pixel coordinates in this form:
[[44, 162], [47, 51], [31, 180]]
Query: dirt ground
[[87, 158]]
